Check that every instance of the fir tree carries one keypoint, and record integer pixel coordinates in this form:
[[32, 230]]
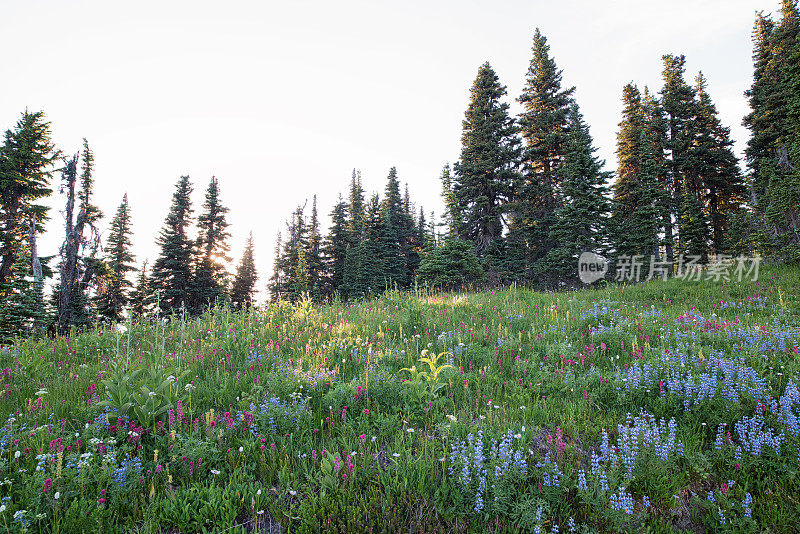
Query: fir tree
[[79, 268], [113, 298], [486, 170], [581, 221], [244, 283], [678, 101], [172, 270], [336, 246], [773, 153], [276, 284], [544, 124], [393, 234], [21, 304], [27, 156], [316, 269], [364, 268], [452, 216], [723, 189], [629, 156], [451, 266], [355, 208], [142, 299], [211, 274]]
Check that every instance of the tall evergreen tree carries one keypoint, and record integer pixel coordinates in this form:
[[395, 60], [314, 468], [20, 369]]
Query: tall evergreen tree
[[544, 124], [722, 187], [21, 307], [244, 283], [316, 268], [113, 297], [336, 246], [581, 221], [276, 286], [355, 208], [211, 274], [393, 233], [773, 153], [27, 156], [364, 268], [142, 298], [487, 168], [678, 101], [629, 155], [452, 216], [172, 270], [79, 268]]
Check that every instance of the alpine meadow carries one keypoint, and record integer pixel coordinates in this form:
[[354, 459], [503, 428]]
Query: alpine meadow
[[549, 343]]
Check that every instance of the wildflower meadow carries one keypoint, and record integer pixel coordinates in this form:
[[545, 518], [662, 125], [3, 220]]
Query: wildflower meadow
[[667, 406]]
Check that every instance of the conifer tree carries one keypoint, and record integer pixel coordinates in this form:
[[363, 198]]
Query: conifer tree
[[364, 268], [142, 298], [723, 189], [316, 269], [211, 275], [113, 298], [629, 155], [172, 270], [393, 234], [336, 246], [487, 168], [27, 156], [244, 283], [544, 125], [276, 284], [678, 102], [79, 268], [773, 152], [355, 208], [21, 303], [581, 220], [452, 216], [638, 194]]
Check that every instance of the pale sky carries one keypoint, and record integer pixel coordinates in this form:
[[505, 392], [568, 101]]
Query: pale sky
[[281, 100]]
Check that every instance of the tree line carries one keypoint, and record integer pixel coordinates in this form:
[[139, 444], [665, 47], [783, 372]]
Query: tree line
[[528, 196], [525, 198], [93, 279]]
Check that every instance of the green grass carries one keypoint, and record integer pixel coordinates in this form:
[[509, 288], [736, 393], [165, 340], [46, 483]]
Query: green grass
[[303, 415]]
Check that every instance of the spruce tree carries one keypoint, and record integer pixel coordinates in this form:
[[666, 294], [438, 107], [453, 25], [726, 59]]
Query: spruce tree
[[723, 189], [21, 303], [355, 209], [364, 267], [27, 156], [581, 220], [142, 299], [211, 275], [80, 268], [544, 125], [773, 153], [393, 234], [487, 168], [629, 157], [316, 268], [276, 285], [678, 102], [336, 246], [113, 298], [172, 270], [452, 216], [244, 283]]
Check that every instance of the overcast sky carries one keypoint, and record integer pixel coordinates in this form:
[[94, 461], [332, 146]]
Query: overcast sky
[[281, 100]]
